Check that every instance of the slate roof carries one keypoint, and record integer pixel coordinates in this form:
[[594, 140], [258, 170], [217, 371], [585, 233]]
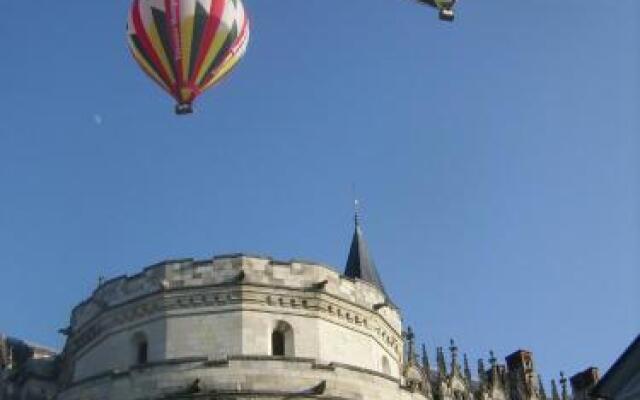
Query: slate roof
[[621, 373], [360, 264]]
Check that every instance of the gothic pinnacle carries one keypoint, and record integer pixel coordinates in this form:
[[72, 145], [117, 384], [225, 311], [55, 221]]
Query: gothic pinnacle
[[563, 383], [454, 356], [543, 394], [410, 336], [554, 390], [482, 375], [467, 370], [492, 358], [425, 359], [442, 367]]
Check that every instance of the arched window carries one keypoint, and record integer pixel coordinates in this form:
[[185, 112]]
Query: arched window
[[141, 348], [386, 368], [277, 343], [282, 340], [143, 352]]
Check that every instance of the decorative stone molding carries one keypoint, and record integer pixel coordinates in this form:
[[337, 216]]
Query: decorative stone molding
[[162, 304], [227, 270], [327, 305]]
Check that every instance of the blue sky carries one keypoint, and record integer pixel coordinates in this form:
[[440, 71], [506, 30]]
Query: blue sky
[[496, 160]]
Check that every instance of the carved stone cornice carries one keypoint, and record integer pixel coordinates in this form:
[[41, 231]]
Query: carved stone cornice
[[233, 298]]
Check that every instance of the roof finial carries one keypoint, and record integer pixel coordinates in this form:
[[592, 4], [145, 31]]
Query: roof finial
[[356, 204]]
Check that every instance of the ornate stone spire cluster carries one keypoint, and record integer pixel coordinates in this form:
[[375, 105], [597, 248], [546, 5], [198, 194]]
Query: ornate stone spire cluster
[[515, 379]]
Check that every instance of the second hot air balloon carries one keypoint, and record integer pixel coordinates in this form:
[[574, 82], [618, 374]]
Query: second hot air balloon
[[187, 46]]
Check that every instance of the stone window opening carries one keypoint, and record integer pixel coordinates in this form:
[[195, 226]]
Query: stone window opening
[[141, 348], [282, 344], [277, 343]]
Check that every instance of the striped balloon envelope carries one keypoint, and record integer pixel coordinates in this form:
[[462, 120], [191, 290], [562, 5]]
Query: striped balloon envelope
[[187, 46]]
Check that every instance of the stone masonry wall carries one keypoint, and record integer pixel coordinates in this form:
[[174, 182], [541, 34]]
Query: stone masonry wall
[[228, 307]]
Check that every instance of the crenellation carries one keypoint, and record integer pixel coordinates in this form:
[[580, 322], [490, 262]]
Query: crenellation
[[163, 277]]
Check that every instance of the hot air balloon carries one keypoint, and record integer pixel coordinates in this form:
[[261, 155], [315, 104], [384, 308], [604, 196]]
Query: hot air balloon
[[187, 46], [445, 8]]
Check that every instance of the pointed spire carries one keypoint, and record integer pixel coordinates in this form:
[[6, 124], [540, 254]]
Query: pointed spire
[[425, 359], [411, 351], [455, 367], [543, 394], [554, 390], [467, 370], [360, 264], [563, 383], [492, 359], [482, 374], [442, 366]]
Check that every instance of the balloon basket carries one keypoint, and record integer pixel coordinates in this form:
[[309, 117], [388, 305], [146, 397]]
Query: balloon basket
[[447, 15], [184, 109]]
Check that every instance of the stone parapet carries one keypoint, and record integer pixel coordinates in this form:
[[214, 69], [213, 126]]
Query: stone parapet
[[221, 271]]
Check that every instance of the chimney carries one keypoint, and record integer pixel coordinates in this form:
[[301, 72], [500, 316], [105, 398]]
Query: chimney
[[583, 382]]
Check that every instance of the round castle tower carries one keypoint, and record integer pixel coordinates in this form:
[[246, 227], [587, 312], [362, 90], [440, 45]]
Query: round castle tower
[[238, 327]]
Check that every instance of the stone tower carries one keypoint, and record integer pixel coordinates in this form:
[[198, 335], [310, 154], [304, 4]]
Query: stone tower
[[584, 382], [241, 327], [523, 379]]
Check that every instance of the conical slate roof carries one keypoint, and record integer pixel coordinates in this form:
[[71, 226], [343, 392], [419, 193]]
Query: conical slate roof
[[360, 265]]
